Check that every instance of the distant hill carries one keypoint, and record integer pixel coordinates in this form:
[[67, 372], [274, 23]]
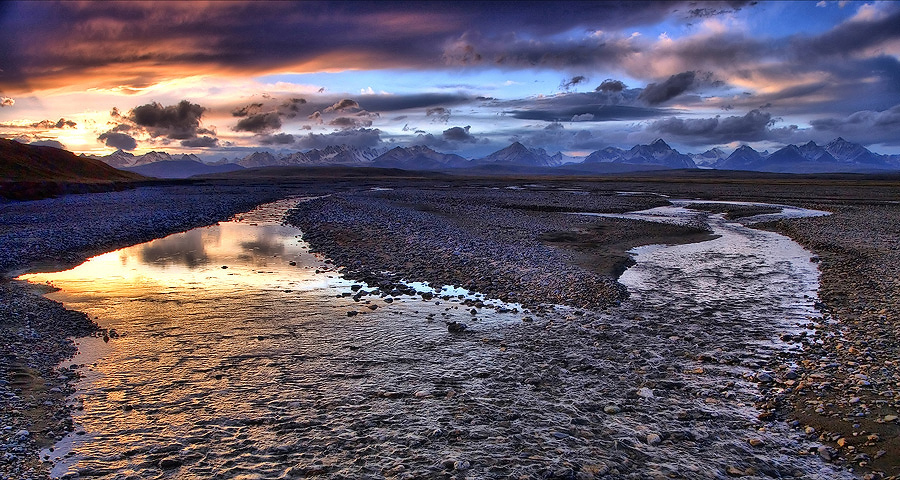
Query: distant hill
[[658, 154], [520, 155], [418, 157], [181, 169], [838, 155], [28, 163]]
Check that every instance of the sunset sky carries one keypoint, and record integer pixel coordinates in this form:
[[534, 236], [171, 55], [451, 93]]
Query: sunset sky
[[222, 79]]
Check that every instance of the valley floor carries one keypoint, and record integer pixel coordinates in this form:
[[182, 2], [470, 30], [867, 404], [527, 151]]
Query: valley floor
[[840, 387]]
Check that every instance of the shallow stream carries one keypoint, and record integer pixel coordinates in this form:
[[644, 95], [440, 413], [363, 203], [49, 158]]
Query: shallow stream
[[239, 354]]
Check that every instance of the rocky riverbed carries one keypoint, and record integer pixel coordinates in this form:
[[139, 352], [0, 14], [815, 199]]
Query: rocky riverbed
[[55, 233], [837, 387]]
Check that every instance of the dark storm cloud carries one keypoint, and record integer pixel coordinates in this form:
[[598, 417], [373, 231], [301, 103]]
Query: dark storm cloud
[[277, 139], [176, 122], [364, 138], [657, 93], [57, 42], [752, 127], [850, 37], [121, 141], [865, 126], [611, 86], [203, 141], [259, 123]]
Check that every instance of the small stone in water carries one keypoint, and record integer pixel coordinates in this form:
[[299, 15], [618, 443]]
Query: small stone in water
[[611, 409], [653, 439]]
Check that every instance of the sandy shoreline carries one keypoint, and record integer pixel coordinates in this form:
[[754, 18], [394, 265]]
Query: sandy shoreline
[[515, 232]]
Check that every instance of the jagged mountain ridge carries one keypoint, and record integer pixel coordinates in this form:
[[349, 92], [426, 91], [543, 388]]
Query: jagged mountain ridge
[[656, 153], [837, 155], [418, 157]]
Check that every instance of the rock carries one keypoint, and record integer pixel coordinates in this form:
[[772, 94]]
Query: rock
[[890, 418], [755, 442], [169, 463], [645, 392], [654, 439], [612, 409], [352, 313], [764, 377], [461, 465], [733, 471], [456, 327]]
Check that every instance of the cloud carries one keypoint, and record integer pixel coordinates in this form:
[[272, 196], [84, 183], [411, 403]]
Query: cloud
[[43, 124], [176, 122], [203, 141], [342, 105], [866, 126], [440, 114], [121, 141], [6, 102], [251, 109], [568, 84], [753, 127], [393, 103], [49, 143], [458, 134], [291, 107], [363, 138], [584, 117], [566, 106], [259, 123], [56, 44], [277, 139], [350, 122], [316, 117], [657, 93], [611, 86]]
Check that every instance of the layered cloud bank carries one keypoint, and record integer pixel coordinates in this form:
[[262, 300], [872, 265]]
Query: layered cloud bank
[[222, 78]]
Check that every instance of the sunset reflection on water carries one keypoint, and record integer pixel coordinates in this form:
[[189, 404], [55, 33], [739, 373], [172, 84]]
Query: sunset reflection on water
[[227, 255]]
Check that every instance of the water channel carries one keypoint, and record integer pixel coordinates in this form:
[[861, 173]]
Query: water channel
[[239, 354]]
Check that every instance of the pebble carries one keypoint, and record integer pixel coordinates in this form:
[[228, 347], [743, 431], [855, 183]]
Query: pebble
[[612, 409]]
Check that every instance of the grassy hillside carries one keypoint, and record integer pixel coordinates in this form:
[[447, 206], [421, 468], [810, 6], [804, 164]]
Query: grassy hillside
[[28, 163]]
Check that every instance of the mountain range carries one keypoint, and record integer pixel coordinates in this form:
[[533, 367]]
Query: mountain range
[[838, 155]]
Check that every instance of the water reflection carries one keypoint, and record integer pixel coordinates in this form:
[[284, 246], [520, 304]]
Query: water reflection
[[275, 367], [186, 249]]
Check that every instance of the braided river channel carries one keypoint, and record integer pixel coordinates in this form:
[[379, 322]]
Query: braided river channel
[[233, 352]]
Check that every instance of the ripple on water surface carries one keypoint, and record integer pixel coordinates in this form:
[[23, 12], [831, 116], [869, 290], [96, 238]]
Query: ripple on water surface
[[275, 367]]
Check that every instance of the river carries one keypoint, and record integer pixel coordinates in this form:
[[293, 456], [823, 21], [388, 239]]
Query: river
[[237, 353]]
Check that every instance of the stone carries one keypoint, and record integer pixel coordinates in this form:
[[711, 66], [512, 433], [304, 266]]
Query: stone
[[654, 439], [612, 409]]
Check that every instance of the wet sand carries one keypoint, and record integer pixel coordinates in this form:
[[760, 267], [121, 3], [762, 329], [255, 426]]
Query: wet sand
[[857, 247]]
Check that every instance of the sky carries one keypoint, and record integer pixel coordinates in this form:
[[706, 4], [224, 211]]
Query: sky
[[223, 79]]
